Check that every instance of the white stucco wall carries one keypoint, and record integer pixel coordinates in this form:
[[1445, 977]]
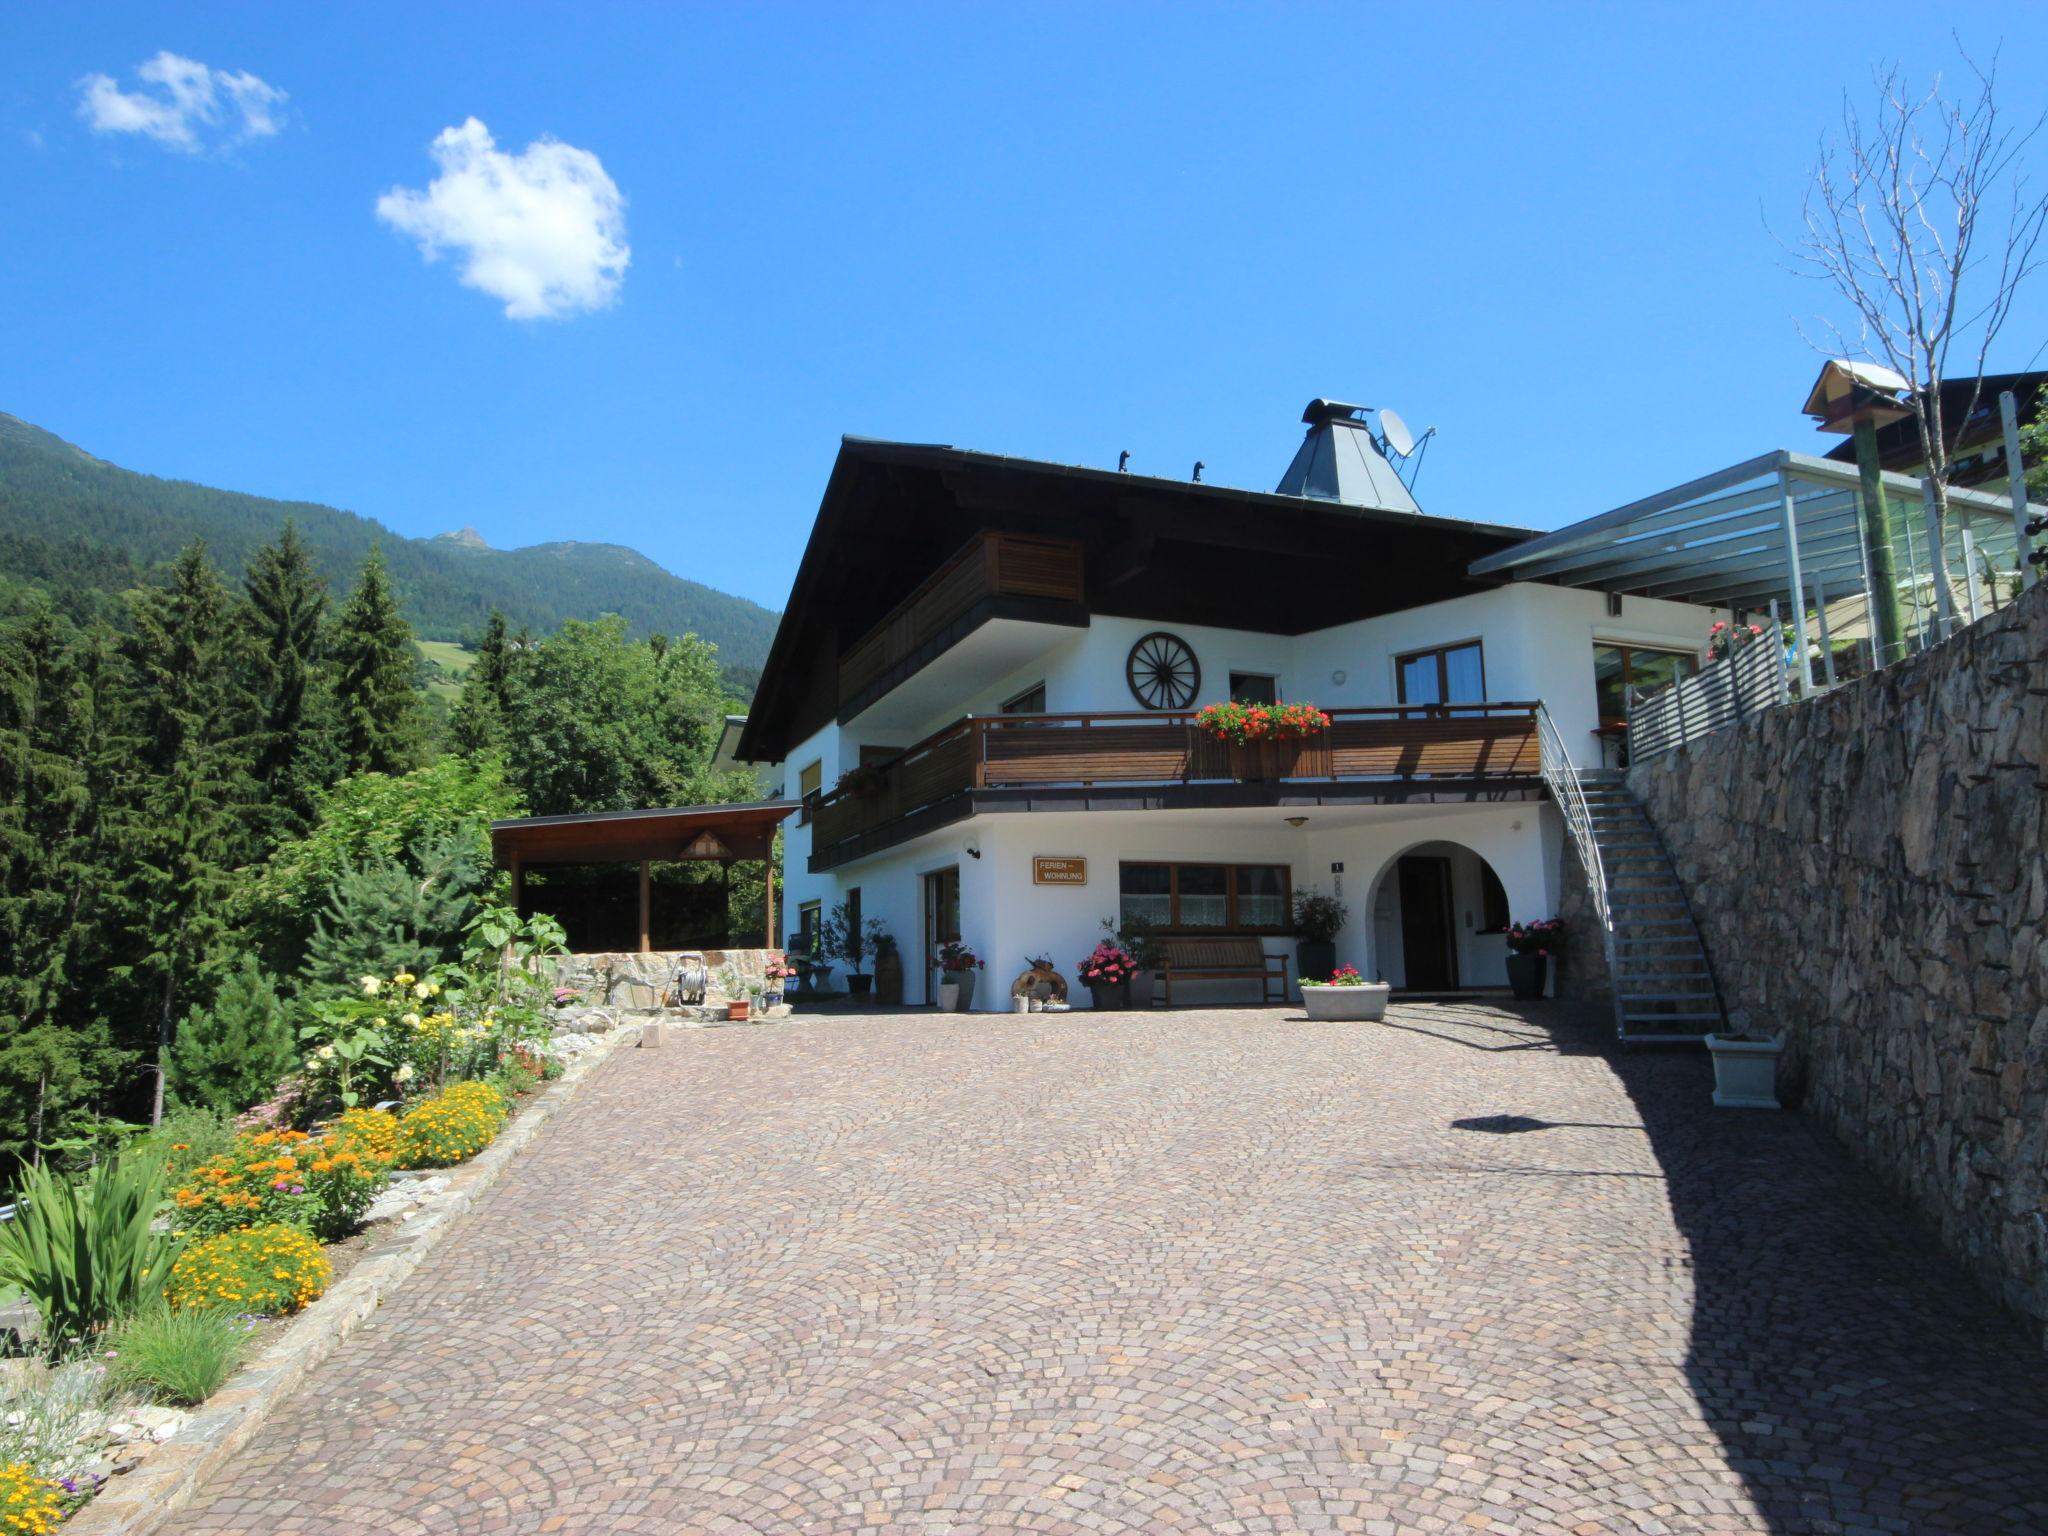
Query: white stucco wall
[[1007, 919], [1538, 643]]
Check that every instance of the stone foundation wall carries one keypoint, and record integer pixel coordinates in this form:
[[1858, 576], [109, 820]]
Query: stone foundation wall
[[1868, 869], [1583, 976], [633, 981]]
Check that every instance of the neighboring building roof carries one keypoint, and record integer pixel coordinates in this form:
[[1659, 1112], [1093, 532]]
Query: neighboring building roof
[[679, 832], [1170, 551], [1898, 442], [725, 756]]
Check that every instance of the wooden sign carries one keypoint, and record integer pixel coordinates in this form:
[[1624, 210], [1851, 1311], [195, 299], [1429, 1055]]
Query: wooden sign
[[1048, 870]]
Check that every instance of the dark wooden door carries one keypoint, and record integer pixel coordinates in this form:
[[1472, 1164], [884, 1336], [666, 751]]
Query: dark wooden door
[[1429, 933], [941, 922]]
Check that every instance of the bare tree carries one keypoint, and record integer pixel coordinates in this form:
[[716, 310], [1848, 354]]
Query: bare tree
[[1922, 218]]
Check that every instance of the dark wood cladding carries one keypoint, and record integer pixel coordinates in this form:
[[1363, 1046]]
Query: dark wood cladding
[[990, 565], [1419, 744]]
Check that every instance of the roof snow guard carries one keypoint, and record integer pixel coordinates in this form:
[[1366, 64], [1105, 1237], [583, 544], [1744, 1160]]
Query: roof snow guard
[[1755, 532], [1340, 460]]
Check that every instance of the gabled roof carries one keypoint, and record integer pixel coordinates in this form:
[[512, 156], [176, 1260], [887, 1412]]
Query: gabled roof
[[893, 511]]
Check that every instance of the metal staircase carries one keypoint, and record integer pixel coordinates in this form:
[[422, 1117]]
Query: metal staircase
[[1657, 963]]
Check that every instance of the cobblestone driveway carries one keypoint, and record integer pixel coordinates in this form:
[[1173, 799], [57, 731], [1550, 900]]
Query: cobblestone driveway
[[1226, 1271]]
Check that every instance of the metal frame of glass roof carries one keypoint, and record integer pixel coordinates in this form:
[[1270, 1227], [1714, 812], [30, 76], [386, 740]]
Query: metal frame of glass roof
[[1782, 528]]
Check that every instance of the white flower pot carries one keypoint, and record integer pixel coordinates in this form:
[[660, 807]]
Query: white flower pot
[[1354, 1005], [1745, 1071], [949, 997]]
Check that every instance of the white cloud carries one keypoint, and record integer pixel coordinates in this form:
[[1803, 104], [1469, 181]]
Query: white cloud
[[188, 102], [543, 230]]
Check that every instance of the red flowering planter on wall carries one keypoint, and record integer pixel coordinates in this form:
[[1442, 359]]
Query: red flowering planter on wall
[[1265, 741]]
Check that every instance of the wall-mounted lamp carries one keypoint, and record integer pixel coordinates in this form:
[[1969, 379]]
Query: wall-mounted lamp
[[1297, 821], [973, 852]]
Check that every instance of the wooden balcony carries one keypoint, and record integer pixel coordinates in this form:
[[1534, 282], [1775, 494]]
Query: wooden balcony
[[1397, 752], [993, 575]]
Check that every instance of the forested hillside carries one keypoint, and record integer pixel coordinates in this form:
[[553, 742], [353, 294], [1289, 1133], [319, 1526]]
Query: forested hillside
[[83, 530]]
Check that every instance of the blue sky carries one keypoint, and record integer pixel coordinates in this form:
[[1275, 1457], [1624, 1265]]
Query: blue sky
[[1055, 231]]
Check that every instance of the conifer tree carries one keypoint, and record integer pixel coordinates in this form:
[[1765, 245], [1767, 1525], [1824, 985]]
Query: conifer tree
[[479, 723], [287, 602], [374, 665], [195, 747], [231, 1055]]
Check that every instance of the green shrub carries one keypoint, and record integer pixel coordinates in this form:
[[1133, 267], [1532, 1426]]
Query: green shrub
[[178, 1357], [451, 1127], [269, 1269], [232, 1055], [189, 1135], [84, 1252]]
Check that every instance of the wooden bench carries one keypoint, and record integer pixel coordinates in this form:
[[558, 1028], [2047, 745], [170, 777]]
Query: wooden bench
[[1221, 957]]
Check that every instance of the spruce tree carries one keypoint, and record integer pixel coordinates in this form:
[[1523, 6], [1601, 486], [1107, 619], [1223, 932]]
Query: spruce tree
[[479, 723], [287, 602], [231, 1055], [195, 748], [374, 666]]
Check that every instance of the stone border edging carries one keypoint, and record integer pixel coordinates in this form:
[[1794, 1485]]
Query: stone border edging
[[140, 1502]]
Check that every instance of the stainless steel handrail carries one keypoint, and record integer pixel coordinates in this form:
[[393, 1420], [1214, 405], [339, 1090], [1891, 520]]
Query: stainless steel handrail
[[1562, 779]]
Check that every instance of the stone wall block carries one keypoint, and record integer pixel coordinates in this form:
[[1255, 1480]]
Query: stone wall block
[[1869, 873]]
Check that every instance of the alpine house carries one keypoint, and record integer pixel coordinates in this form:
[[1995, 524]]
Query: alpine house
[[986, 685]]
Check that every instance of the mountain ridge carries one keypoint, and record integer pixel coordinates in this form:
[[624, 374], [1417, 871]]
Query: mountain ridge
[[73, 523]]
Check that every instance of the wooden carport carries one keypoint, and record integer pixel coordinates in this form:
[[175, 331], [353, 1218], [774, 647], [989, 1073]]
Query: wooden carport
[[722, 834]]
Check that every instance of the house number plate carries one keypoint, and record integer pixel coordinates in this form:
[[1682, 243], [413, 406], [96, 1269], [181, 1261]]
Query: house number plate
[[1046, 870]]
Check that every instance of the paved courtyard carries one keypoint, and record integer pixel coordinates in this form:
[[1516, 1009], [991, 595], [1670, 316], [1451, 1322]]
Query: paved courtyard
[[1225, 1271]]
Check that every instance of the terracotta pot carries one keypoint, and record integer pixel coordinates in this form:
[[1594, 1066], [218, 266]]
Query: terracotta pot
[[737, 1010]]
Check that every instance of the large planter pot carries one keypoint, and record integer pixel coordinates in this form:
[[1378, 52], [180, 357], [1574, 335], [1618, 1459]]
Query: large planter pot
[[859, 986], [964, 980], [1315, 958], [1142, 986], [889, 979], [1112, 996], [1353, 1005], [1525, 975], [1745, 1071]]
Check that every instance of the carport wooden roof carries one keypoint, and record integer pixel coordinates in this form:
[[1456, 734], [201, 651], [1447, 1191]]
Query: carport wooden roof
[[705, 832]]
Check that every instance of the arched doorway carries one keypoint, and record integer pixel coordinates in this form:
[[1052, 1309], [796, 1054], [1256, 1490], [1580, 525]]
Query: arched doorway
[[1439, 915]]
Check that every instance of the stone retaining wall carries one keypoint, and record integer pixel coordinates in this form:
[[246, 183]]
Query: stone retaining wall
[[635, 981], [1868, 869]]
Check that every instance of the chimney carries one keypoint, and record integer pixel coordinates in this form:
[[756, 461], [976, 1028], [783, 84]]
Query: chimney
[[1340, 460]]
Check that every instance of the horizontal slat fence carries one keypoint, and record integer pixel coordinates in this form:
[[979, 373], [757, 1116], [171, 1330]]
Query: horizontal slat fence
[[1752, 679]]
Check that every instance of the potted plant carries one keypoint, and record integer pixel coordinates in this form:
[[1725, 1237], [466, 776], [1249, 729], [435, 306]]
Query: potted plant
[[1347, 996], [957, 967], [860, 783], [737, 1005], [1746, 1069], [777, 973], [1724, 637], [1106, 972], [1318, 919], [1141, 939], [857, 942], [755, 1008], [1530, 946]]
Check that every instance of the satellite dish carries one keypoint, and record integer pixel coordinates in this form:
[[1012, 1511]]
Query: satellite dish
[[1396, 432]]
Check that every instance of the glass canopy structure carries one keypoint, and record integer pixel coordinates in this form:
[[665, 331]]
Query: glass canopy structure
[[1785, 531]]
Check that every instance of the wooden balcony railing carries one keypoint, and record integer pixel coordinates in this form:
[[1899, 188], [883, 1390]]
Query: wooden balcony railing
[[1463, 742], [988, 565]]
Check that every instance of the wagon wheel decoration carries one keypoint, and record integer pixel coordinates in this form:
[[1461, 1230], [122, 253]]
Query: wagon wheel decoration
[[1163, 672]]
